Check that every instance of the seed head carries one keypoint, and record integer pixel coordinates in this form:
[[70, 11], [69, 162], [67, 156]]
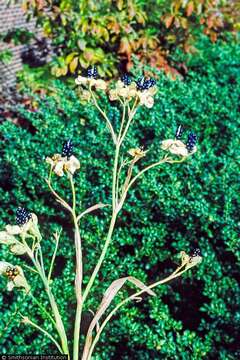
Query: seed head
[[196, 252], [191, 141], [179, 132], [22, 216], [145, 84], [92, 72], [11, 272], [126, 79], [67, 149]]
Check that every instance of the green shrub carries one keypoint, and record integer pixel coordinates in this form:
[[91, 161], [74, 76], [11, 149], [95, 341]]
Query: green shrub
[[108, 32], [194, 204]]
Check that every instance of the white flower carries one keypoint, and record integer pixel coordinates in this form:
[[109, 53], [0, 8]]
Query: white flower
[[146, 99], [176, 147], [98, 83], [122, 90], [15, 276], [146, 96], [61, 164], [137, 152]]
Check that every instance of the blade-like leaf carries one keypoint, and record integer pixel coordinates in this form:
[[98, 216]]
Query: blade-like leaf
[[112, 291], [109, 295]]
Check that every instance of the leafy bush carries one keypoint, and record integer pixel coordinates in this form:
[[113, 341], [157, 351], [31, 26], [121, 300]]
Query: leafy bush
[[194, 205], [109, 32]]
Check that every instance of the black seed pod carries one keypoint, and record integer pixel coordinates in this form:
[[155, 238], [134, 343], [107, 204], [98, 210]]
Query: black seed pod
[[126, 79], [191, 142], [92, 72], [22, 216], [179, 132], [196, 252], [67, 149]]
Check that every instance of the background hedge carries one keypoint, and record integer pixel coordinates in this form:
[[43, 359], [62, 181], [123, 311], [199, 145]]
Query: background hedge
[[173, 208]]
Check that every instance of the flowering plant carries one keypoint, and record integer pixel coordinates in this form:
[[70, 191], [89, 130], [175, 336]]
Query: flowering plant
[[24, 238]]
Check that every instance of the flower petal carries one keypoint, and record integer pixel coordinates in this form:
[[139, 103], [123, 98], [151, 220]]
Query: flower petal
[[3, 267], [13, 229], [20, 281], [58, 168], [6, 238], [72, 164], [101, 84], [81, 80], [18, 249]]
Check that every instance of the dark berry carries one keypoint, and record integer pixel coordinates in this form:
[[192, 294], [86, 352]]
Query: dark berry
[[196, 252], [22, 216], [145, 84], [67, 149], [149, 83], [92, 72], [140, 83], [126, 79], [179, 132], [191, 142]]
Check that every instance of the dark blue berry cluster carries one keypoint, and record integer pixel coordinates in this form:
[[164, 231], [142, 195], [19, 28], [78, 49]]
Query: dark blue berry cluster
[[145, 84], [196, 252], [92, 72], [179, 132], [191, 141], [126, 79], [22, 216], [67, 149]]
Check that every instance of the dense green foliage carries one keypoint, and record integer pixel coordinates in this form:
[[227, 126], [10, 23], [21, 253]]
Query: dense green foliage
[[173, 208]]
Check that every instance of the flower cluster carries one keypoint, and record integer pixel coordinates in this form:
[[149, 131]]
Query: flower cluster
[[177, 147]]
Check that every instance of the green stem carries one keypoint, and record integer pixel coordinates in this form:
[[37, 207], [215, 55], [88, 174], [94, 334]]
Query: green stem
[[30, 322], [78, 277], [58, 320], [102, 256], [41, 307], [78, 290], [114, 182], [104, 115]]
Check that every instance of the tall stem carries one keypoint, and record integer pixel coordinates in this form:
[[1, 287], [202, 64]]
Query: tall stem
[[79, 275], [78, 290], [58, 320], [114, 182], [102, 256], [59, 324], [115, 211]]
